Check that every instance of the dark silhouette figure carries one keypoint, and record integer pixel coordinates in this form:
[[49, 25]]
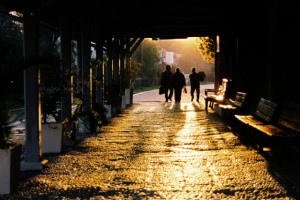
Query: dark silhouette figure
[[166, 82], [178, 84], [195, 84]]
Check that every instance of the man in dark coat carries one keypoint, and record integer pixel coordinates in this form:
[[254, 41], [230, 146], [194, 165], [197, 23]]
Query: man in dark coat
[[195, 84], [178, 84], [166, 82]]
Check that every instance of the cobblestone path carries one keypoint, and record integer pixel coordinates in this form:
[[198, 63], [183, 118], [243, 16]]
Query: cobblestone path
[[157, 150]]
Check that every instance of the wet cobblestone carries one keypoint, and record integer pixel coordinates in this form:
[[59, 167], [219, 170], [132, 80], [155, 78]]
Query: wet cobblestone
[[157, 150]]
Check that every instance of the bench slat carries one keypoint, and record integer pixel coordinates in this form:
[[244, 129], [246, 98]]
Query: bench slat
[[274, 131], [270, 130], [265, 109], [239, 99], [263, 114], [248, 119]]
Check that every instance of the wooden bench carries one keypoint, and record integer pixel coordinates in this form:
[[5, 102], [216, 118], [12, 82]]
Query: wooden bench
[[263, 115], [218, 95], [238, 100], [232, 105], [284, 131]]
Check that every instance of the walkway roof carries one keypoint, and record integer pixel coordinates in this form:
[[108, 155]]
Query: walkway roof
[[162, 19]]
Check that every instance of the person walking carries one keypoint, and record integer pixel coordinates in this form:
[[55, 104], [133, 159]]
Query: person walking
[[178, 84], [195, 84], [166, 82]]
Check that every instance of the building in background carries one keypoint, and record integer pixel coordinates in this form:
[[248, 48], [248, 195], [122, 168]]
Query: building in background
[[169, 57]]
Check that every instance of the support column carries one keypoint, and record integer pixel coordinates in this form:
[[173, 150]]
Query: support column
[[108, 79], [66, 70], [99, 72], [79, 70], [217, 63], [33, 152], [122, 67], [123, 74], [116, 77], [128, 93], [86, 69], [274, 67]]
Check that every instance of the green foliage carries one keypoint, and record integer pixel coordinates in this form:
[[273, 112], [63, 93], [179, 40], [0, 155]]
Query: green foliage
[[130, 73], [11, 73], [97, 64], [147, 55], [51, 85], [206, 46], [96, 116]]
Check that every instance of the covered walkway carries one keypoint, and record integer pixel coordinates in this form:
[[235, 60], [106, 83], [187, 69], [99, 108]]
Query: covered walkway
[[158, 150]]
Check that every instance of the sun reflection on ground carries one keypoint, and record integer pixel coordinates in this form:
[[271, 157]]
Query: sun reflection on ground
[[183, 106], [152, 152], [184, 136]]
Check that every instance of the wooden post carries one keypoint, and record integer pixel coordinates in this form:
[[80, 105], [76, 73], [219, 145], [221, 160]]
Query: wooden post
[[33, 153], [66, 70]]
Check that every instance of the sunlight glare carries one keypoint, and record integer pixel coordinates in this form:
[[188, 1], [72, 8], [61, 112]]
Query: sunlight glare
[[190, 114]]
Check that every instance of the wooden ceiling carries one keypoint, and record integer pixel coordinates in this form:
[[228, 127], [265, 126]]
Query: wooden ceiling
[[162, 19]]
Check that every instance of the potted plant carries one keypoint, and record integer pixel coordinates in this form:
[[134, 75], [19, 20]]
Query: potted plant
[[128, 77], [10, 150], [90, 120], [11, 93], [53, 127], [10, 154], [51, 88]]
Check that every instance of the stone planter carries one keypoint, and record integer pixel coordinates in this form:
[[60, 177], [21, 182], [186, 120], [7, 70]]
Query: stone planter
[[123, 106], [52, 137], [84, 124], [128, 96], [10, 169], [109, 111]]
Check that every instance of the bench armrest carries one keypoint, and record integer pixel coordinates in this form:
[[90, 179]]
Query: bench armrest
[[232, 101], [206, 91]]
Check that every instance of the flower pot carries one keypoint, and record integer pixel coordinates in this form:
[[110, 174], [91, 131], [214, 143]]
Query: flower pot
[[52, 137], [10, 169]]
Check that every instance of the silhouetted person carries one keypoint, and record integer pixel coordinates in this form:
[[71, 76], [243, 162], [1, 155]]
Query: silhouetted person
[[166, 82], [178, 84], [195, 84]]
